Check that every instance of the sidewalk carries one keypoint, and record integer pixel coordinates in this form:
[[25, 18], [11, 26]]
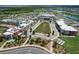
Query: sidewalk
[[36, 25], [6, 43], [25, 41]]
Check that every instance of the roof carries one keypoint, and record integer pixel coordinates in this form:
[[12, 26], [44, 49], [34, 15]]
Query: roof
[[64, 26], [61, 23], [68, 28], [8, 33], [48, 15], [8, 20], [23, 25], [77, 25], [26, 23], [13, 29]]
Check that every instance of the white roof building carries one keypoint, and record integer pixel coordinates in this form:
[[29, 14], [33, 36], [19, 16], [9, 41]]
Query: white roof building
[[64, 26], [26, 23], [8, 33], [8, 20], [45, 15], [23, 25], [13, 30], [48, 15], [68, 28]]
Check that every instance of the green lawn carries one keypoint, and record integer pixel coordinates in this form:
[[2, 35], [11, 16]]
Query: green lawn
[[72, 44], [2, 29], [43, 28]]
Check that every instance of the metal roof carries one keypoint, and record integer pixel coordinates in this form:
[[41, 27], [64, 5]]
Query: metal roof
[[64, 26]]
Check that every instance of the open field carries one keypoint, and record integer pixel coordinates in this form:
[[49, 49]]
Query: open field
[[72, 44], [43, 28]]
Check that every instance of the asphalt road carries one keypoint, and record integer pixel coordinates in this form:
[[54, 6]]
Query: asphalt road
[[25, 50]]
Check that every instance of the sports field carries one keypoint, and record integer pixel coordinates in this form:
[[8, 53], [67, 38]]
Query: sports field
[[43, 28]]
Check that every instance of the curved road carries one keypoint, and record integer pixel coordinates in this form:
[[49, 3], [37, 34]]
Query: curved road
[[25, 50]]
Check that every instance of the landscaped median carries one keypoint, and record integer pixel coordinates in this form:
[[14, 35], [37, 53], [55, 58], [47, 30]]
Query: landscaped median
[[40, 42]]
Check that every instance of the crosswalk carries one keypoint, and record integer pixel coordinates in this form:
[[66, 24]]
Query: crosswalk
[[59, 41]]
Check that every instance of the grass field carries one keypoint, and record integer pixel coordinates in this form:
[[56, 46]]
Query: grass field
[[2, 29], [43, 28], [72, 44]]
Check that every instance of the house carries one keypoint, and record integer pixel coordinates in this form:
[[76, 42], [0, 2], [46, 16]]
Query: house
[[9, 21], [15, 30], [25, 23], [11, 32], [8, 35]]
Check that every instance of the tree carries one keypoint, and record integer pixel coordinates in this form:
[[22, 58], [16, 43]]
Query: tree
[[30, 29], [43, 43], [33, 32], [29, 36], [38, 40], [31, 41], [25, 32], [1, 39], [55, 44], [48, 34], [50, 21], [53, 33]]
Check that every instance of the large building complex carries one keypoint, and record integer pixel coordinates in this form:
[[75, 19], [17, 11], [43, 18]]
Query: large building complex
[[17, 30], [64, 28], [45, 16]]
